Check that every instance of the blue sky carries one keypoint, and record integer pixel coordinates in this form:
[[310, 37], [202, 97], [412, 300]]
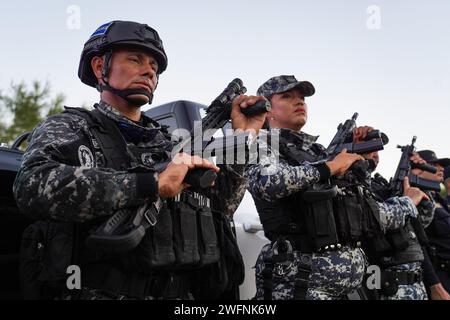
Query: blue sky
[[396, 77]]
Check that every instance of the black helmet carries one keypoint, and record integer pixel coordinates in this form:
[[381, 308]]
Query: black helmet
[[118, 33]]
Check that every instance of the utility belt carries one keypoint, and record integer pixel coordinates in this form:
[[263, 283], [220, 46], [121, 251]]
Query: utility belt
[[390, 280], [442, 264], [184, 236], [156, 284], [302, 243]]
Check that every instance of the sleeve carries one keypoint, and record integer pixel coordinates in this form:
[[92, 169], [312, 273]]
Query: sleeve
[[47, 186], [230, 188], [430, 277], [426, 211], [394, 210], [273, 178]]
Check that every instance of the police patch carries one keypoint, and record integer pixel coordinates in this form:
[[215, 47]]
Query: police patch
[[85, 156], [146, 159], [101, 30]]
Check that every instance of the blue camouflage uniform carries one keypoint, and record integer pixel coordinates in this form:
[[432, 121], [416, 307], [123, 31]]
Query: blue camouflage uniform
[[333, 274]]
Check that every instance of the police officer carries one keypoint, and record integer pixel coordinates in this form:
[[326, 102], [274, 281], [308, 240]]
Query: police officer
[[306, 258], [82, 166], [398, 252], [439, 229]]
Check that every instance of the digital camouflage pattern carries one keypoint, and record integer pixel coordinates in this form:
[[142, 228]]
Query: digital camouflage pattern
[[334, 273], [417, 290], [285, 83], [52, 188], [48, 186]]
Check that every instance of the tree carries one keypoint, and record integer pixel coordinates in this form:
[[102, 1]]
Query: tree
[[24, 108]]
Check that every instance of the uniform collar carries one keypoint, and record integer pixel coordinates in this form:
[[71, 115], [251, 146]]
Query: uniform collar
[[137, 133], [146, 123], [300, 138]]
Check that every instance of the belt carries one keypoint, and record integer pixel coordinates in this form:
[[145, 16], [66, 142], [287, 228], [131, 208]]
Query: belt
[[406, 278], [338, 246]]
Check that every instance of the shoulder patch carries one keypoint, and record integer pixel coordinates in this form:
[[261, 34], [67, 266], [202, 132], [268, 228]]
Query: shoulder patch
[[85, 156]]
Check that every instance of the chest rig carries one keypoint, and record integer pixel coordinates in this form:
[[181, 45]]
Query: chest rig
[[398, 246], [325, 216], [183, 235]]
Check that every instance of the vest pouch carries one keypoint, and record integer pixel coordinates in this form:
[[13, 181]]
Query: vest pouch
[[185, 237], [208, 246], [45, 254], [389, 285], [354, 215], [224, 276], [157, 246], [341, 219], [320, 221], [380, 245], [398, 239]]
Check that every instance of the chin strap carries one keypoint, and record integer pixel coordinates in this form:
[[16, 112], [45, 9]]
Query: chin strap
[[125, 93]]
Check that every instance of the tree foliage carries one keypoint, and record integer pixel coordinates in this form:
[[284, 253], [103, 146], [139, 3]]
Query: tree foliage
[[22, 108]]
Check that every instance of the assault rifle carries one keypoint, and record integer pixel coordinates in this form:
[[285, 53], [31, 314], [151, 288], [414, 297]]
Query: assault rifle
[[123, 231], [404, 170], [343, 139], [344, 136]]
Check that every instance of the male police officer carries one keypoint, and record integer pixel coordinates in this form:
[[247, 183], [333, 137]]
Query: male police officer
[[81, 167], [398, 252], [299, 262], [439, 229]]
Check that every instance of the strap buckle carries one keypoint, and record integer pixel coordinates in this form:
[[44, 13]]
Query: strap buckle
[[151, 213]]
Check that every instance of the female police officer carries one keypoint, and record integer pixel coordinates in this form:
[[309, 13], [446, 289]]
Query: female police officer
[[314, 252]]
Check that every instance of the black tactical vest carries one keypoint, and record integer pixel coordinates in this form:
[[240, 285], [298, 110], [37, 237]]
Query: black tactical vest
[[184, 236], [320, 218], [398, 246]]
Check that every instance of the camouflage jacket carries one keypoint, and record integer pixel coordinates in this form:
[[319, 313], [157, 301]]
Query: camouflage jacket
[[48, 185], [425, 212], [274, 178]]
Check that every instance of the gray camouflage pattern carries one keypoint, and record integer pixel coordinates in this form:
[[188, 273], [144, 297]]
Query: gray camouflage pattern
[[285, 83], [415, 291], [273, 178], [47, 186], [335, 273], [283, 275]]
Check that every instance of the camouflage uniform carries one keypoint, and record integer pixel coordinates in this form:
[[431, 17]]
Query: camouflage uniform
[[334, 273], [48, 187], [417, 290]]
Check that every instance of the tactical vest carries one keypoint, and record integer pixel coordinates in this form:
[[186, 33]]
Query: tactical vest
[[322, 217], [398, 246], [189, 240], [184, 236]]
